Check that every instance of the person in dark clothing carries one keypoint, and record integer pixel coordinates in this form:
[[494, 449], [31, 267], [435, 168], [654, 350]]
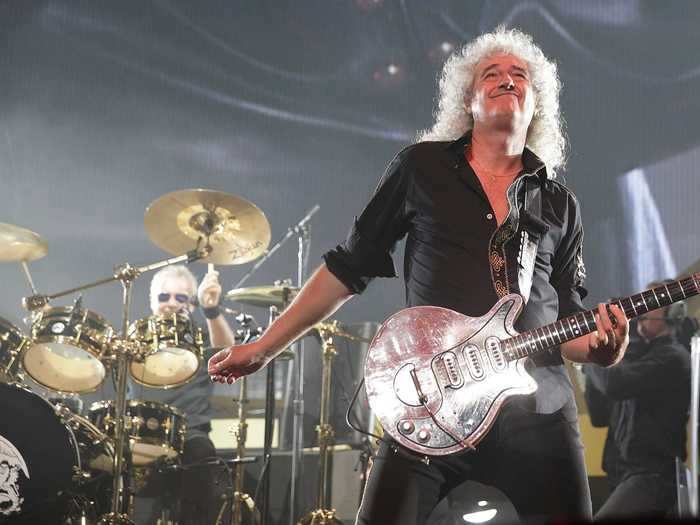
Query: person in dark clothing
[[644, 402], [483, 217]]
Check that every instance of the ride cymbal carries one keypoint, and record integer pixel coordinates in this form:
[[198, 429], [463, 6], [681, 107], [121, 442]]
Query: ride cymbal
[[19, 244], [236, 230]]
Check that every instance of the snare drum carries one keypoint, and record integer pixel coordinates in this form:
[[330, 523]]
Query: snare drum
[[12, 341], [40, 456], [155, 430], [170, 350], [66, 349]]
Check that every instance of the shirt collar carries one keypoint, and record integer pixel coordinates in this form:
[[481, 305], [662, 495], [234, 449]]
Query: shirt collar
[[532, 163]]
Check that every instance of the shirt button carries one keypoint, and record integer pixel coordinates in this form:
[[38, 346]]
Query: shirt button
[[489, 216]]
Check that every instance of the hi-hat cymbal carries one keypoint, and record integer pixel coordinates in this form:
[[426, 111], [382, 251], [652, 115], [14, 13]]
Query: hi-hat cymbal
[[19, 244], [275, 295], [237, 230]]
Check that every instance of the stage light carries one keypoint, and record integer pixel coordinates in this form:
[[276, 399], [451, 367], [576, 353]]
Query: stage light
[[387, 76], [481, 516], [438, 52]]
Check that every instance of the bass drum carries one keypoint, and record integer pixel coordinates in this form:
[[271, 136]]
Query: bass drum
[[55, 466], [38, 457]]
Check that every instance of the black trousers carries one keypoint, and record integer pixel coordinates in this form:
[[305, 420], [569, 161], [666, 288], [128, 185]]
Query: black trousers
[[536, 460], [642, 495]]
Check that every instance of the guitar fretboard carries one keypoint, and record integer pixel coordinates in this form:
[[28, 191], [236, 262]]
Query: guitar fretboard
[[544, 338]]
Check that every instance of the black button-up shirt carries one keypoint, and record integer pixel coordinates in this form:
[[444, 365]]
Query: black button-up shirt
[[647, 424], [456, 254]]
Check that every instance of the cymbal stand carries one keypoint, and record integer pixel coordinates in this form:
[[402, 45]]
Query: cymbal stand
[[126, 274], [28, 275], [323, 515], [263, 498], [240, 499]]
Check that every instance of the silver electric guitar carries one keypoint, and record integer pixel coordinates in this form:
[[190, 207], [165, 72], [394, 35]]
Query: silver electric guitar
[[436, 379]]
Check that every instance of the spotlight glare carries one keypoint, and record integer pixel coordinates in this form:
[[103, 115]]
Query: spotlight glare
[[392, 69], [481, 516], [482, 503], [446, 47]]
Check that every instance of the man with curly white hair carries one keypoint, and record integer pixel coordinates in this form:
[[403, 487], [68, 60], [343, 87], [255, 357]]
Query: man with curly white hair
[[483, 217]]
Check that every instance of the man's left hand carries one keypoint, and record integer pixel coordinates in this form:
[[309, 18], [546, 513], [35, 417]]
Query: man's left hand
[[607, 344]]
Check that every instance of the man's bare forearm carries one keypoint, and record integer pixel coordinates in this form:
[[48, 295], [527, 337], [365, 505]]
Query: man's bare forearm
[[320, 297]]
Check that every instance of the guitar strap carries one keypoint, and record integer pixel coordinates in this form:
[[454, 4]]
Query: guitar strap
[[531, 230]]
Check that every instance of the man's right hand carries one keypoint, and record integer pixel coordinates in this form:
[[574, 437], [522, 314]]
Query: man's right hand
[[229, 364]]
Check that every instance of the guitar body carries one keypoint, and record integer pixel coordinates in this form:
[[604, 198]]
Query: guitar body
[[455, 364]]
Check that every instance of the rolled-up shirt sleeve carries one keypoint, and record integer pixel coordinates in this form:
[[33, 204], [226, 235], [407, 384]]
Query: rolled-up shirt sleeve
[[367, 251], [569, 271]]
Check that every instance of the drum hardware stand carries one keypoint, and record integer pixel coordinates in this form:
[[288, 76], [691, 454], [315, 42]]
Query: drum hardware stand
[[126, 274], [323, 515], [239, 499], [28, 275]]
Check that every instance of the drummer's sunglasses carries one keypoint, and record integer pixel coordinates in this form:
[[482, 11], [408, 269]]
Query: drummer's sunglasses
[[179, 297]]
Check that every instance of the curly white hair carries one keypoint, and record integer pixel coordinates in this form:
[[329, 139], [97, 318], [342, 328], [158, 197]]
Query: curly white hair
[[545, 137]]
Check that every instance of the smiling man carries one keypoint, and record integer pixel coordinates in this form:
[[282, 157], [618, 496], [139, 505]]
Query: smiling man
[[483, 217]]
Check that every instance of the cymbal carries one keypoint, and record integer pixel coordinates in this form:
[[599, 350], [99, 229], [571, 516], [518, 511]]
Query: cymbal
[[19, 244], [237, 230], [275, 295]]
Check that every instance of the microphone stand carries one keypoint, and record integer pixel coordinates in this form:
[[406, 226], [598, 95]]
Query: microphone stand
[[302, 230], [291, 231], [297, 473]]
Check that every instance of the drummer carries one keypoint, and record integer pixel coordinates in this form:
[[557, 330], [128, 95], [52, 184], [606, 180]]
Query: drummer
[[174, 290]]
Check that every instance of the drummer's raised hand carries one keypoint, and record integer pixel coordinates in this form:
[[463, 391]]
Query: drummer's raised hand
[[229, 364], [209, 291]]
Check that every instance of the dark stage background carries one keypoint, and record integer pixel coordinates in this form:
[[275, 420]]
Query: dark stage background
[[105, 106]]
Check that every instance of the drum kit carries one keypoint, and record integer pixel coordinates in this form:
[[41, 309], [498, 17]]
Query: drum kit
[[71, 350]]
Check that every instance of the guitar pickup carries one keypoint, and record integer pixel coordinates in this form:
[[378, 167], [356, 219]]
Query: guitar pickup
[[472, 355], [449, 370]]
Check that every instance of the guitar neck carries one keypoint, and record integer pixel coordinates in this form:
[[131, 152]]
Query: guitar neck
[[541, 339]]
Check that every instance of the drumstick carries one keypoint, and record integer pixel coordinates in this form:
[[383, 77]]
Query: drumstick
[[210, 269]]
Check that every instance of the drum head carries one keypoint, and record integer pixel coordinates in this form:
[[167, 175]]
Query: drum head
[[63, 367], [37, 453], [166, 368]]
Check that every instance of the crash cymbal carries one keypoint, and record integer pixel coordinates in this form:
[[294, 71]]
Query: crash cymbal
[[237, 230], [19, 244], [275, 295], [333, 328]]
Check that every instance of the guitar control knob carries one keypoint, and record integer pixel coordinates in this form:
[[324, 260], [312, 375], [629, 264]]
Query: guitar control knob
[[423, 435], [407, 427]]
